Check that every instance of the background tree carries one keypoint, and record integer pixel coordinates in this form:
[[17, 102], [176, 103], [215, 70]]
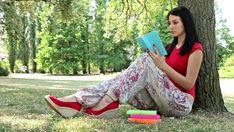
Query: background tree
[[12, 31], [65, 44], [208, 92], [24, 42], [34, 43], [99, 26]]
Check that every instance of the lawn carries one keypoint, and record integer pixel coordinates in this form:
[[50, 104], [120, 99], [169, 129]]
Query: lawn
[[226, 72], [22, 108]]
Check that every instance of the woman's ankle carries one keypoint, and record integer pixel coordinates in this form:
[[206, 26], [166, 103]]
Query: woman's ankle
[[108, 99], [103, 102]]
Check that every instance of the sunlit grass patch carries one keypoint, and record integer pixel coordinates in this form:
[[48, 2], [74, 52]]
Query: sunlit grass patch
[[226, 72], [77, 124], [229, 103], [23, 122]]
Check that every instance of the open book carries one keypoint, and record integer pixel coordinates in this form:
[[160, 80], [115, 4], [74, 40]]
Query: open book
[[150, 39]]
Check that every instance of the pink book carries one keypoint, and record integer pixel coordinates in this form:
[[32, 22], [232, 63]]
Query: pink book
[[142, 116]]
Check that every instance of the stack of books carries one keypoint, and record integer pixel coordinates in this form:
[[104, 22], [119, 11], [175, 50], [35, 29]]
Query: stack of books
[[143, 116]]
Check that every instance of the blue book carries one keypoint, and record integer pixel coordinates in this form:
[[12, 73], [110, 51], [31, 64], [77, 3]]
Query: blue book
[[150, 39]]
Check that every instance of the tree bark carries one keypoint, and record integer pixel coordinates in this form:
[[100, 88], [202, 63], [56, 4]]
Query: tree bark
[[208, 92]]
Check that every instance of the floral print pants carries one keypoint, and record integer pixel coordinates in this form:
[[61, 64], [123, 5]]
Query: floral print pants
[[143, 86]]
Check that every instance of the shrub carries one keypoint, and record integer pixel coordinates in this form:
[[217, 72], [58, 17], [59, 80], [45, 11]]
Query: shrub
[[4, 68], [4, 72]]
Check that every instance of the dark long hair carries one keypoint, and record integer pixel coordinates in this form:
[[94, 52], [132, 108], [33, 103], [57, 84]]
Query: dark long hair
[[189, 27]]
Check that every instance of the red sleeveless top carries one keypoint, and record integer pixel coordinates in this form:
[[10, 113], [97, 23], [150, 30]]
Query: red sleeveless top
[[179, 63]]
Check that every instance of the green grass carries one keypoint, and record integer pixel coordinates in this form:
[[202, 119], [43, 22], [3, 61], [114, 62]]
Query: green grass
[[22, 108], [226, 72]]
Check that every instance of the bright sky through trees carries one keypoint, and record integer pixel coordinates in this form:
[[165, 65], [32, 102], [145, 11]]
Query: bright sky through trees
[[227, 10]]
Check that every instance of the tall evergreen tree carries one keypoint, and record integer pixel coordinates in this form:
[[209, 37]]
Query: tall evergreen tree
[[24, 43], [33, 43], [12, 30]]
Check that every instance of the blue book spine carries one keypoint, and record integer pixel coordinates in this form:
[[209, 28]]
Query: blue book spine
[[153, 38], [142, 43]]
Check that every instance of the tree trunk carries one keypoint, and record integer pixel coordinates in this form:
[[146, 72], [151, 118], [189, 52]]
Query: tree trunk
[[84, 66], [74, 70], [85, 52], [208, 92], [101, 60]]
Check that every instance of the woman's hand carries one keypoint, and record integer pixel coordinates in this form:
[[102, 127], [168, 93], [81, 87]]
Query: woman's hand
[[159, 60]]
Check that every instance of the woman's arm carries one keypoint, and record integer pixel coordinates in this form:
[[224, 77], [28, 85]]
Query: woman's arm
[[194, 64]]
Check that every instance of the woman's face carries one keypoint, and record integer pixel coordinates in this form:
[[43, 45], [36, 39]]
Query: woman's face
[[176, 26]]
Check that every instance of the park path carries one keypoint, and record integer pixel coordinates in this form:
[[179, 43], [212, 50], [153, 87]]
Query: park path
[[227, 85]]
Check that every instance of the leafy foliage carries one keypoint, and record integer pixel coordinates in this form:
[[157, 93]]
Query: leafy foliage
[[225, 41], [225, 44], [12, 29], [78, 36]]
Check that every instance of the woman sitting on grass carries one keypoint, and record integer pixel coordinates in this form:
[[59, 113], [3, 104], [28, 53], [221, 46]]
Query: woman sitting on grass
[[151, 81]]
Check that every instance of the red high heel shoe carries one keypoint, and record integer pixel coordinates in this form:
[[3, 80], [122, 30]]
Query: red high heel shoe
[[66, 109], [107, 112]]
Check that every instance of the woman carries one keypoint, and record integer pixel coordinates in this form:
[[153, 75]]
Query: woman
[[151, 81]]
